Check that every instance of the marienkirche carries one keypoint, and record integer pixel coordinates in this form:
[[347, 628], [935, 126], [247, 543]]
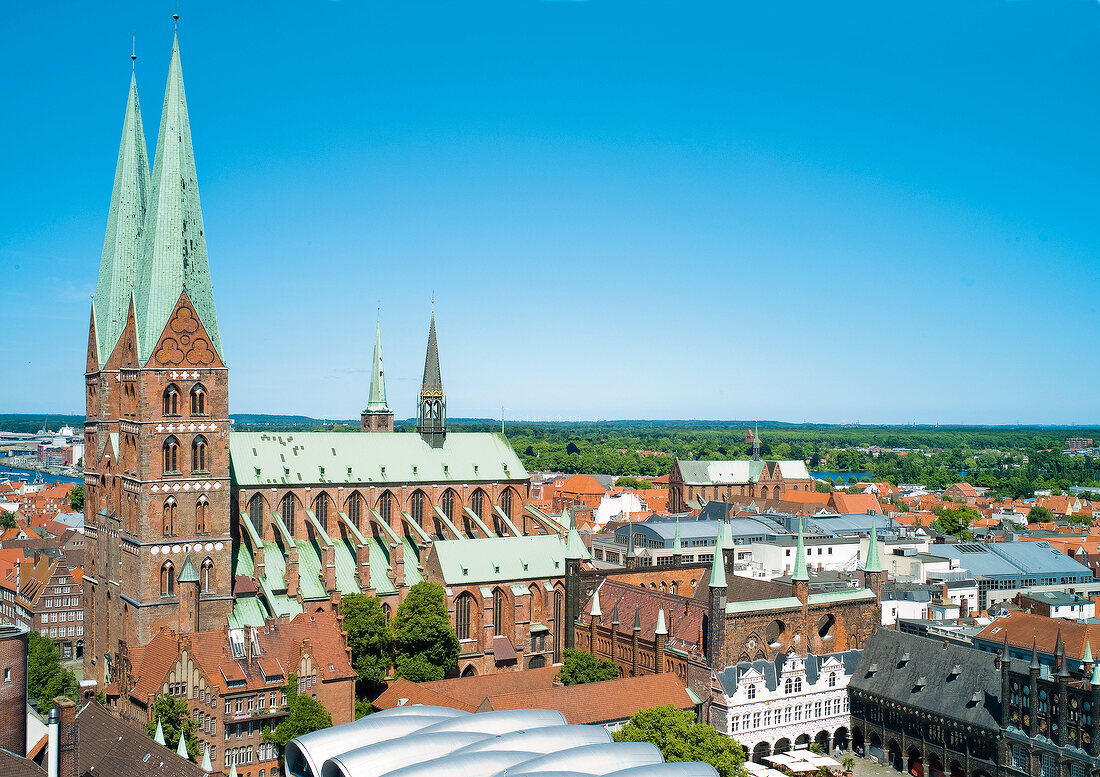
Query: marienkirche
[[191, 526]]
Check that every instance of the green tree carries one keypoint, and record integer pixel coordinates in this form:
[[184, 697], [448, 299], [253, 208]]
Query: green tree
[[174, 717], [636, 483], [76, 498], [46, 680], [578, 667], [7, 520], [306, 715], [424, 643], [370, 639], [956, 521], [1039, 515], [680, 738]]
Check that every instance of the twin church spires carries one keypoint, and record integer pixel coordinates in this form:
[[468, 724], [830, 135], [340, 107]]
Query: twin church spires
[[155, 246], [431, 414]]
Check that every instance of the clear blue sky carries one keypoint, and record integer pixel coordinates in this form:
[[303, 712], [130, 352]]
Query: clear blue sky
[[878, 211]]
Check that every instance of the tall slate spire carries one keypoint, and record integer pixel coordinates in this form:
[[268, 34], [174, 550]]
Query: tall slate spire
[[125, 224], [431, 414], [433, 382], [173, 255], [376, 403]]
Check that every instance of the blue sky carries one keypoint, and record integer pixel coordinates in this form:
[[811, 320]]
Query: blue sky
[[882, 212]]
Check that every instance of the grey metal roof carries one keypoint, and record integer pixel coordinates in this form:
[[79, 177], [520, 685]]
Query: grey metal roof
[[665, 530], [401, 743], [773, 670], [926, 681], [1013, 559]]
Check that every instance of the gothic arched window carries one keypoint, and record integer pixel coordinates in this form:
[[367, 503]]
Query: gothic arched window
[[198, 400], [320, 510], [206, 576], [448, 504], [198, 454], [416, 507], [463, 607], [169, 515], [385, 506], [200, 516], [171, 455], [286, 512], [500, 602], [477, 503], [256, 509], [172, 400], [559, 623], [167, 579], [355, 508], [506, 502]]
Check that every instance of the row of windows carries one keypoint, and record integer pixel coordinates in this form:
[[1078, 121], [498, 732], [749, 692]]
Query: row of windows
[[168, 579], [170, 455], [171, 405], [65, 601], [419, 508], [466, 607], [795, 713], [260, 701], [169, 515], [61, 617], [63, 631]]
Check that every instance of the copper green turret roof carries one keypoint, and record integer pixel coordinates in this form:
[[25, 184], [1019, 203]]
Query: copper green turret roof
[[718, 566], [432, 384], [377, 401], [206, 765], [1087, 658], [873, 563], [799, 571], [187, 572], [181, 747], [173, 253], [158, 737], [574, 545], [125, 222], [676, 544]]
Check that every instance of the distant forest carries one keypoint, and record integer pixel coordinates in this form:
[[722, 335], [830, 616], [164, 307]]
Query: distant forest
[[1012, 460]]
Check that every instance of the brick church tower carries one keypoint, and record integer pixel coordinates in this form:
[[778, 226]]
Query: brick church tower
[[157, 432]]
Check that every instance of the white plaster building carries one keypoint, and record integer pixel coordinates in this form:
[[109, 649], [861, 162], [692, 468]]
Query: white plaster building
[[774, 706], [834, 554]]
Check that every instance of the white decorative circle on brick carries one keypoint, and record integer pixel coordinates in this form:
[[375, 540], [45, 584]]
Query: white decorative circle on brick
[[164, 549], [218, 545], [209, 546], [154, 551], [175, 548]]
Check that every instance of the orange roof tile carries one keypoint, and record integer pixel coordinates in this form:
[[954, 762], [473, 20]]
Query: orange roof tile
[[600, 702]]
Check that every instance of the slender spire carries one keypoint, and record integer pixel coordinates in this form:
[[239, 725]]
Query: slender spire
[[1034, 655], [615, 614], [233, 770], [660, 630], [1059, 647], [125, 224], [1087, 659], [718, 565], [596, 612], [1095, 676], [181, 748], [575, 549], [433, 383], [206, 765], [1004, 649], [676, 545], [376, 403], [799, 572], [638, 618], [159, 736], [173, 252], [873, 563]]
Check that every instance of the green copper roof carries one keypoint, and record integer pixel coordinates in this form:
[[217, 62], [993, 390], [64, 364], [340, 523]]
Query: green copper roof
[[173, 250], [500, 559], [125, 222], [377, 400], [676, 544], [873, 563], [206, 765], [799, 571], [1095, 680], [181, 748], [433, 381], [187, 572], [325, 458], [159, 736], [574, 545], [247, 611], [761, 605], [718, 566], [845, 595]]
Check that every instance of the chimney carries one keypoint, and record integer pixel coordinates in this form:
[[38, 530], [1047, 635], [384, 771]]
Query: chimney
[[61, 754]]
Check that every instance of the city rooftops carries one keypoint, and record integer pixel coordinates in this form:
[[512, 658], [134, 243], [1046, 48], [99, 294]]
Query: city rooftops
[[1015, 559]]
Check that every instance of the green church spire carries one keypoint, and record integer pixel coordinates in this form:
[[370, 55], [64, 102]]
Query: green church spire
[[799, 571], [718, 566], [676, 544], [377, 401], [873, 563], [125, 222], [173, 254]]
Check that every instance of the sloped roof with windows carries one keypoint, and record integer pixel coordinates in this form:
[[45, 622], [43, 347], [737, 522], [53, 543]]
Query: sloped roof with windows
[[320, 458], [499, 559]]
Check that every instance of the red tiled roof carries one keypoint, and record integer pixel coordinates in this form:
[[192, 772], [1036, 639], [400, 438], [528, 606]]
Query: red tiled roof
[[855, 503], [601, 702], [1023, 627], [683, 616], [582, 484], [466, 692]]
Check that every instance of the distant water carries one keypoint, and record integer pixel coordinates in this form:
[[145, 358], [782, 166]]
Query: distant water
[[7, 473], [845, 475]]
